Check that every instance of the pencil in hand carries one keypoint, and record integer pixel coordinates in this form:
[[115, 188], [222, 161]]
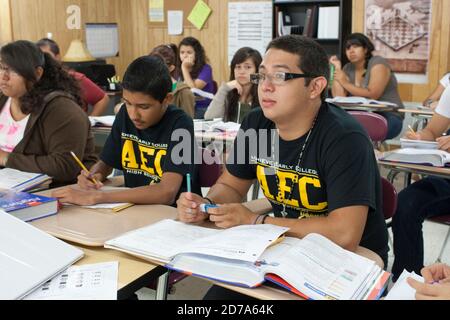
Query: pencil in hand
[[411, 129], [83, 166]]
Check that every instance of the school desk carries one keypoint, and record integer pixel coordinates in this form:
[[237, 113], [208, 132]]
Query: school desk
[[421, 116], [409, 169]]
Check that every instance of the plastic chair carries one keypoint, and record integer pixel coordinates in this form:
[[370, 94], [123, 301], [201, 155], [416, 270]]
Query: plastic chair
[[445, 219], [390, 197], [374, 124], [210, 170]]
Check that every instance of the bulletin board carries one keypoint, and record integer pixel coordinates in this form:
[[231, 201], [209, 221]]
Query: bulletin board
[[181, 5]]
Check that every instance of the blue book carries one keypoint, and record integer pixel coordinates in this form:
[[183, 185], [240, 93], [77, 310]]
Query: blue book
[[27, 206]]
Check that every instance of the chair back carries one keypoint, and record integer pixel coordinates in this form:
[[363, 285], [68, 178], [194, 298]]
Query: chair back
[[389, 198], [374, 124], [210, 168]]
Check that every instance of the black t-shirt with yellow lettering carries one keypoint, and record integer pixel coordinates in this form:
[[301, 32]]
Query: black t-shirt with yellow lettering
[[338, 170], [144, 155]]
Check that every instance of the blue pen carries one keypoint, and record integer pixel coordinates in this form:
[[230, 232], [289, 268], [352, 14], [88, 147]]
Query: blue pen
[[188, 182]]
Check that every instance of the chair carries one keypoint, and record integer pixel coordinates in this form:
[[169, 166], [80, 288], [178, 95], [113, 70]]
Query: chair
[[210, 170], [390, 197], [445, 219], [374, 124]]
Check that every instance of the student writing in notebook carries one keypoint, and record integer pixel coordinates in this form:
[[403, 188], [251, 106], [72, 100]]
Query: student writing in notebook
[[314, 162], [437, 283], [423, 199], [39, 110], [141, 144], [234, 99], [367, 76], [196, 72], [91, 94]]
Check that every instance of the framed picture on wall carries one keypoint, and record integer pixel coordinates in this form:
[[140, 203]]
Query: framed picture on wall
[[400, 31]]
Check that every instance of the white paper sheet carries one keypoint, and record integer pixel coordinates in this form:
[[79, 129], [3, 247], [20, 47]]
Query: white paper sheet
[[402, 290], [88, 282], [249, 25], [175, 22]]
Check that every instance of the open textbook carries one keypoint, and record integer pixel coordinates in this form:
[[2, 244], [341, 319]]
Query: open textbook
[[165, 239], [313, 267], [436, 158], [29, 257], [20, 180], [359, 100]]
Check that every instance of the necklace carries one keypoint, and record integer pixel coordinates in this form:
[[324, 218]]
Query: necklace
[[299, 163]]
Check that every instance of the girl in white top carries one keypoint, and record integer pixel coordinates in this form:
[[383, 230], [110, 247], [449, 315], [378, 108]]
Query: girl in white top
[[237, 97], [433, 99]]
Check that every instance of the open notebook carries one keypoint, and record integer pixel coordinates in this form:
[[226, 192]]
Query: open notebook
[[29, 257]]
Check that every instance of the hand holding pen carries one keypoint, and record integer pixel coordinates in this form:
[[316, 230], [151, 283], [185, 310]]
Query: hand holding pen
[[86, 180]]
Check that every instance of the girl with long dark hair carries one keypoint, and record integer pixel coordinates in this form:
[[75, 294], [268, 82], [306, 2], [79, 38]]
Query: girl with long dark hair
[[367, 76], [41, 121], [235, 98]]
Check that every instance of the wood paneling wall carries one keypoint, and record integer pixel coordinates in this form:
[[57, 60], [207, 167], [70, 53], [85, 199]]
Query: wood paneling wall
[[138, 37], [5, 22], [439, 62]]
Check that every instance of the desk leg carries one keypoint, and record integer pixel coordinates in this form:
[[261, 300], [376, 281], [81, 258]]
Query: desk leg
[[161, 286], [407, 181]]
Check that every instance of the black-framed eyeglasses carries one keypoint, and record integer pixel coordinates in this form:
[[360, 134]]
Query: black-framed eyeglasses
[[278, 78]]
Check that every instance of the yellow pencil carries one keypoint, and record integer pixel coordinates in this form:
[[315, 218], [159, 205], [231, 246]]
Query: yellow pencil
[[412, 130], [123, 207], [82, 166]]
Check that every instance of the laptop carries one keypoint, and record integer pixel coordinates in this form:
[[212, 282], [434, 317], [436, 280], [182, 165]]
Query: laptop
[[29, 257]]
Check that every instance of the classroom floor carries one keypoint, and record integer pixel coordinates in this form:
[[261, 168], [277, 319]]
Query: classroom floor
[[192, 288]]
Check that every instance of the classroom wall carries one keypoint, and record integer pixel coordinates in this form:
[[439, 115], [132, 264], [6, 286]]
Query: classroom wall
[[439, 62], [138, 37]]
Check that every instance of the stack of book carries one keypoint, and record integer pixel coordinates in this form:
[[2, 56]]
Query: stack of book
[[21, 181]]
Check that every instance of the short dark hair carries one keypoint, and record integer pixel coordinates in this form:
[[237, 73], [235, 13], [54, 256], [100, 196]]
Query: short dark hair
[[148, 75], [46, 42], [24, 57], [312, 57], [361, 40], [200, 55]]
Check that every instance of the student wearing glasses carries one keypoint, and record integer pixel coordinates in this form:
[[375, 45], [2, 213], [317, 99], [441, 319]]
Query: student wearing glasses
[[367, 76], [314, 162], [39, 111], [142, 144]]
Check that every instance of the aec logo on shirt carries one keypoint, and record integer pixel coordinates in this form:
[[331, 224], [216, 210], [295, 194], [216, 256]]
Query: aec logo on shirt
[[142, 157], [292, 180]]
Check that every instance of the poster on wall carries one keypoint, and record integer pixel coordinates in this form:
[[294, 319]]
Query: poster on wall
[[400, 31], [249, 25]]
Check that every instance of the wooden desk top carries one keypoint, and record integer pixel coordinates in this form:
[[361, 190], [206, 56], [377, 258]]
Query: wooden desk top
[[417, 112], [92, 227], [366, 107], [417, 168]]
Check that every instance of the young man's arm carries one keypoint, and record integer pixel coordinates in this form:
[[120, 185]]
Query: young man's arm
[[163, 192], [100, 107]]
